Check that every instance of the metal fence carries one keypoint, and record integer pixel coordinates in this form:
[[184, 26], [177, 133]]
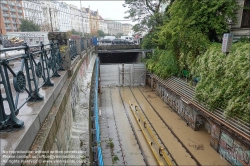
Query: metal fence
[[97, 151], [34, 72]]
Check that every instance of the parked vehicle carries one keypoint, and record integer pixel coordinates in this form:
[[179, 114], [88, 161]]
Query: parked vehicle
[[118, 41], [130, 39], [105, 41], [110, 37]]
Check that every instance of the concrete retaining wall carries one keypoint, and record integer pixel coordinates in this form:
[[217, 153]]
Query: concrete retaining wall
[[224, 141], [53, 138]]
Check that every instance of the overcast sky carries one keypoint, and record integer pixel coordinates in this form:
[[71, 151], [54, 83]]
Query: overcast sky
[[107, 9]]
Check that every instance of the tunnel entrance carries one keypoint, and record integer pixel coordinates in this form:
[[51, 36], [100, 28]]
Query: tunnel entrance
[[121, 68], [120, 57], [122, 74]]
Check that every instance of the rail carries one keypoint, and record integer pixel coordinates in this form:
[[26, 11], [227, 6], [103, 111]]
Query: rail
[[36, 64], [72, 49], [140, 117], [96, 149], [187, 93], [45, 67]]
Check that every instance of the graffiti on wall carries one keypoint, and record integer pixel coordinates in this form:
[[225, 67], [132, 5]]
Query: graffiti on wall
[[233, 151], [215, 135]]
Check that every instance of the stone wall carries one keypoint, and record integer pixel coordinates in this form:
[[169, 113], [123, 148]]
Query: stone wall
[[53, 138], [233, 149]]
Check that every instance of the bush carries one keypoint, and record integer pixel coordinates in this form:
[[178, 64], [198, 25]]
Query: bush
[[225, 80], [163, 63]]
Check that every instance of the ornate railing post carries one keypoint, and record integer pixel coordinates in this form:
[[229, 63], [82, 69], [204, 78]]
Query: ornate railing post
[[62, 40], [29, 66], [73, 51], [44, 60], [78, 45], [8, 122], [85, 42], [82, 44], [59, 60], [53, 60]]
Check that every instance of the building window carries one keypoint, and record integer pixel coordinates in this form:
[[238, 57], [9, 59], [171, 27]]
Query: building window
[[245, 23]]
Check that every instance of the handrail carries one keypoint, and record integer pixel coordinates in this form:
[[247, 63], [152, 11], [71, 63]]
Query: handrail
[[26, 80], [72, 46], [38, 62], [97, 154]]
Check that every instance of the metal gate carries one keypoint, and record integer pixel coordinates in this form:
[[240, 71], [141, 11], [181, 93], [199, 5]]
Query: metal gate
[[123, 74]]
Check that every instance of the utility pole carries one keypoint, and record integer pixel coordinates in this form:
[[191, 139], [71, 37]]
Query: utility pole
[[82, 17], [50, 19]]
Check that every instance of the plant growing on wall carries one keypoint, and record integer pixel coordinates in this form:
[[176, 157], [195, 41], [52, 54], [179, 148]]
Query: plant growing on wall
[[224, 80]]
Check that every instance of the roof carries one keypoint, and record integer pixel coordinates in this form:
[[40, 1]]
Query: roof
[[100, 17]]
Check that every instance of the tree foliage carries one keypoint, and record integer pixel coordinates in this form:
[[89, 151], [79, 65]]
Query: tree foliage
[[74, 32], [145, 12], [191, 25], [100, 33], [190, 39], [28, 26], [163, 63]]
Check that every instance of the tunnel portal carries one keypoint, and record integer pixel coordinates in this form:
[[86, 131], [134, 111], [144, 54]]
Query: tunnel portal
[[126, 57]]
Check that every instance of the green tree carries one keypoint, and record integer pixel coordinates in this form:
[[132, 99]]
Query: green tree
[[28, 26], [191, 25], [100, 33], [74, 32], [145, 12]]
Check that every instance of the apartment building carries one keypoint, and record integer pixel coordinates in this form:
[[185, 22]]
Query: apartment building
[[114, 27], [76, 18], [50, 16], [33, 11], [126, 28], [64, 17], [94, 22], [86, 21], [10, 15], [103, 25]]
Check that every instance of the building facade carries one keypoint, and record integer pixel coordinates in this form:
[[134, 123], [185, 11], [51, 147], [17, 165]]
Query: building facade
[[126, 29], [33, 11], [50, 16], [94, 22], [11, 13], [114, 27], [86, 21], [103, 25], [241, 27], [76, 19], [64, 17]]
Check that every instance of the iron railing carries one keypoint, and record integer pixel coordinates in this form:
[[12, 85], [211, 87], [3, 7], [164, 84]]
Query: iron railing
[[82, 44], [38, 63], [25, 80], [72, 49], [96, 148]]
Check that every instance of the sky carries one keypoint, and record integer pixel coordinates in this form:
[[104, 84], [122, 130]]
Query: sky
[[112, 10]]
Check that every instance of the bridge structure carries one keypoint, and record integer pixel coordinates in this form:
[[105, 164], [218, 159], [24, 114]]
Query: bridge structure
[[38, 98]]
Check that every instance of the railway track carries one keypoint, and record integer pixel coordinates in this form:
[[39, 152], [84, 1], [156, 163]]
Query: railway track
[[152, 134]]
